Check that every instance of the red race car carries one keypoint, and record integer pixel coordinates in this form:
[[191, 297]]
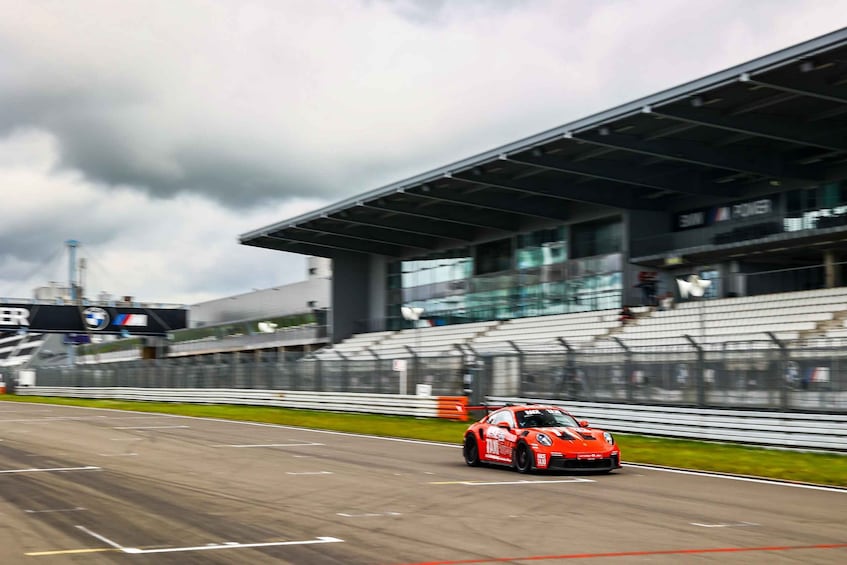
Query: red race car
[[539, 437]]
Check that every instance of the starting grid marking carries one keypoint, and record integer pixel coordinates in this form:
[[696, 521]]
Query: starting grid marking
[[368, 514], [269, 445], [75, 509], [54, 469], [521, 482], [51, 419], [114, 546], [149, 427], [727, 525]]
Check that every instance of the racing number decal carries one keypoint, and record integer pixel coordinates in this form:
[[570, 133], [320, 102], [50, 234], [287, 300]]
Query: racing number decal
[[492, 446], [498, 443]]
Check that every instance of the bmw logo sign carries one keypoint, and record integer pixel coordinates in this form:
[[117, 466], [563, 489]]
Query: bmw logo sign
[[96, 318]]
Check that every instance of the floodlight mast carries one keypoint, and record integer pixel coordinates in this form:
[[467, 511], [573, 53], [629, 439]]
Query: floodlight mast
[[72, 245], [413, 314], [695, 287]]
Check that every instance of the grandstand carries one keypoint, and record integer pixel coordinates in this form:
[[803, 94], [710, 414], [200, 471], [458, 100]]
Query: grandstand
[[788, 318], [738, 177], [19, 348]]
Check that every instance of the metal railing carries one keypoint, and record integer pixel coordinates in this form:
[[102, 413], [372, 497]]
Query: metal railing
[[760, 375]]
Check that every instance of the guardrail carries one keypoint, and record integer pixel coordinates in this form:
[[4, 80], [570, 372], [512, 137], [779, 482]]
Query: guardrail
[[784, 429], [447, 407]]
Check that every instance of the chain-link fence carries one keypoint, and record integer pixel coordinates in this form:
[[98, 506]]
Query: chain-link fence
[[753, 375]]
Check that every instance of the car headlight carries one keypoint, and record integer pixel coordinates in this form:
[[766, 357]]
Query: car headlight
[[608, 438], [544, 439]]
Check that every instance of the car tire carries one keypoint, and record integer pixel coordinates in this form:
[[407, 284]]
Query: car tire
[[471, 451], [522, 458]]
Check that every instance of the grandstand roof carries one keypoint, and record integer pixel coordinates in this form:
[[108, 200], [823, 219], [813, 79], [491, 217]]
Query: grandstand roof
[[779, 120]]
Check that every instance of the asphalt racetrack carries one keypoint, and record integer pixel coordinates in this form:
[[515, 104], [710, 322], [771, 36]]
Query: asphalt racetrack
[[98, 486]]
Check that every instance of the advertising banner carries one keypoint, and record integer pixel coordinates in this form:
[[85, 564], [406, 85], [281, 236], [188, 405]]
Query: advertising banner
[[85, 319]]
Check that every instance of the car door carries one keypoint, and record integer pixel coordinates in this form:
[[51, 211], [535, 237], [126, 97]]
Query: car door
[[499, 437]]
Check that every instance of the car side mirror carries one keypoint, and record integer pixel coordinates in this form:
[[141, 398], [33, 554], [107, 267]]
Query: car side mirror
[[583, 424], [504, 425]]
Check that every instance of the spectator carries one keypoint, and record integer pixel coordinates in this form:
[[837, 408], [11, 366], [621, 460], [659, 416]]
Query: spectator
[[666, 302], [648, 284]]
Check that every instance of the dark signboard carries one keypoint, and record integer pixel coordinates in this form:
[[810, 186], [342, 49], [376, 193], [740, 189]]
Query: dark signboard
[[76, 339], [91, 320], [704, 217]]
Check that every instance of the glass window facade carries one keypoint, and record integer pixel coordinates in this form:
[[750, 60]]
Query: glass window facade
[[816, 207], [530, 274]]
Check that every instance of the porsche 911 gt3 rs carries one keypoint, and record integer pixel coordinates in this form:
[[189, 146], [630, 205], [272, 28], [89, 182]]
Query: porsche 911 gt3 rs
[[536, 437]]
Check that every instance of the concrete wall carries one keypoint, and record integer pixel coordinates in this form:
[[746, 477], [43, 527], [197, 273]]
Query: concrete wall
[[284, 300], [351, 293]]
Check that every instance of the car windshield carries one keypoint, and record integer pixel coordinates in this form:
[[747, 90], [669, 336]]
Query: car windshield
[[545, 418]]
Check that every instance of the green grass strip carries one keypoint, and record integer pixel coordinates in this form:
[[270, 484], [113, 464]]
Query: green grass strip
[[790, 465]]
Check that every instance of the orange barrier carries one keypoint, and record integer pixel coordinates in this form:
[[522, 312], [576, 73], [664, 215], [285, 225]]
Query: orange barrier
[[2, 387], [453, 408]]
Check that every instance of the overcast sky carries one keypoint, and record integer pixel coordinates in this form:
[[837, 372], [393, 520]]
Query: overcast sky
[[156, 132]]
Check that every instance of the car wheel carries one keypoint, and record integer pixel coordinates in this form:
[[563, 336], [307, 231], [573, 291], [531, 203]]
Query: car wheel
[[523, 458], [471, 451]]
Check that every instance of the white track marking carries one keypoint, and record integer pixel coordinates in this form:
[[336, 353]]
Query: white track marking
[[76, 509], [50, 419], [149, 427], [128, 439], [368, 515], [117, 454], [233, 545], [311, 473], [208, 547], [459, 446], [88, 468], [729, 525], [269, 445], [772, 482], [520, 482], [105, 540]]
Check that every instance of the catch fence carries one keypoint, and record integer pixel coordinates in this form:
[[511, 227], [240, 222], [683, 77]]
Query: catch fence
[[749, 375]]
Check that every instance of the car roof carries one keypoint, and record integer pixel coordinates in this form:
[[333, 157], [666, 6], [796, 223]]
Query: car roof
[[519, 407]]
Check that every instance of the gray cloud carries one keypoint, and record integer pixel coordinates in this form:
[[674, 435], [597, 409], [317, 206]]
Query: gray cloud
[[158, 131]]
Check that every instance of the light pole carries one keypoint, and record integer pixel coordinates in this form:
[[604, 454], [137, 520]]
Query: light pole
[[695, 287], [413, 314]]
